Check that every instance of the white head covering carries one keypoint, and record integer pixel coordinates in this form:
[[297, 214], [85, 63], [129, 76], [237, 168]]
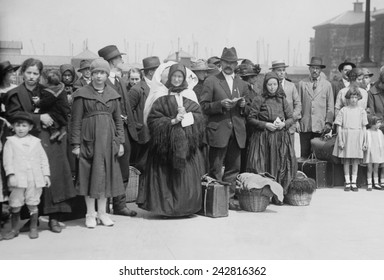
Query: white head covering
[[158, 89]]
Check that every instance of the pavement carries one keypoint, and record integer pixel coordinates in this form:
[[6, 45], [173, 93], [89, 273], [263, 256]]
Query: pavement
[[337, 225]]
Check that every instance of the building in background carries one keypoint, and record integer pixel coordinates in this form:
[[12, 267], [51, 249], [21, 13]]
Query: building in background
[[342, 38]]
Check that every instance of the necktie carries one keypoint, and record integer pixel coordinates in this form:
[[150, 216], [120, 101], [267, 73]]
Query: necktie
[[314, 84]]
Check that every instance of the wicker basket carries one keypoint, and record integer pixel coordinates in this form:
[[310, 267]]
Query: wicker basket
[[253, 201], [298, 199], [133, 184]]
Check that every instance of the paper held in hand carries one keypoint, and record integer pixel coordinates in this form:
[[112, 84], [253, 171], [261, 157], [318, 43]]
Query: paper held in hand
[[187, 120]]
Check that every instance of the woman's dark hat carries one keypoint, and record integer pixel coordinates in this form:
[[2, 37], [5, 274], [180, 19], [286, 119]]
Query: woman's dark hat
[[6, 66], [230, 55], [341, 66], [109, 52], [84, 64], [366, 72], [247, 70], [151, 62], [317, 61], [22, 116]]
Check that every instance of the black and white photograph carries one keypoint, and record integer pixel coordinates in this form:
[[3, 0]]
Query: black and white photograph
[[192, 139]]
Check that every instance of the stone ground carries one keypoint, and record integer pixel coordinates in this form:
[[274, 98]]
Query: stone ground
[[337, 225]]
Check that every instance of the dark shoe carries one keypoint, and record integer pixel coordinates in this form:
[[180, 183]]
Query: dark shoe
[[354, 187], [10, 235], [54, 135], [377, 187], [15, 219], [369, 187], [54, 226], [347, 187], [125, 212], [234, 206], [62, 134]]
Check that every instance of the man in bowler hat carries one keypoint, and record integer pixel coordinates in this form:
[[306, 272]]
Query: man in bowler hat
[[137, 97], [342, 82], [223, 102], [317, 103], [112, 54]]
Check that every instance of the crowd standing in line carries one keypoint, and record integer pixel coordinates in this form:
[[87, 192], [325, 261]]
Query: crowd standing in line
[[174, 124]]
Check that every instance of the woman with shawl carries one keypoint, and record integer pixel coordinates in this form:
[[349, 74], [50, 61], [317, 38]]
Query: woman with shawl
[[172, 181], [270, 148]]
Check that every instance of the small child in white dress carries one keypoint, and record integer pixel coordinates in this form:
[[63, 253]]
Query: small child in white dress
[[374, 155], [27, 169]]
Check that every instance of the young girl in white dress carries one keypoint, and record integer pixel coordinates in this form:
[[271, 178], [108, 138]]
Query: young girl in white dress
[[374, 155], [351, 142]]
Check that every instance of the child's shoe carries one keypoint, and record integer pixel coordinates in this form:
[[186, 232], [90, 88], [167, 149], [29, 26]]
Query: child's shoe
[[33, 234], [90, 220], [105, 220], [377, 187], [369, 187], [15, 219], [347, 187], [63, 132], [54, 135], [354, 187]]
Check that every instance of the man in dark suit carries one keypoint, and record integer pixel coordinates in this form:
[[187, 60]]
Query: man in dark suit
[[137, 97], [114, 57], [223, 102], [85, 71], [342, 82]]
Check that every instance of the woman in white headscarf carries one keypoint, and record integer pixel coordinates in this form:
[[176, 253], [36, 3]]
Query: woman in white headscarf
[[171, 183]]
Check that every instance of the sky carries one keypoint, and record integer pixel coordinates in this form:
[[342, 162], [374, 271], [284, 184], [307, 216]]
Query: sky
[[142, 28]]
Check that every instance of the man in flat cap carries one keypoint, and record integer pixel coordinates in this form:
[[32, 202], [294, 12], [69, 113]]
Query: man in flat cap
[[137, 96], [112, 54], [224, 104], [317, 103]]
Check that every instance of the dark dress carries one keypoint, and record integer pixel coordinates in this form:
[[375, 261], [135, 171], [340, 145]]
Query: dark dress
[[96, 126], [271, 151], [172, 181], [55, 198]]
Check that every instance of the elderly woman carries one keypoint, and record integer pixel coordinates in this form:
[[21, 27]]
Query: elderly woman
[[355, 77], [270, 146], [54, 200], [172, 185], [97, 137]]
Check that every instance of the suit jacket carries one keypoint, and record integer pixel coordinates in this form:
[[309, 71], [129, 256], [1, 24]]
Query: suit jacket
[[221, 122], [317, 106], [80, 83], [137, 97], [336, 87], [294, 102], [375, 106], [19, 159], [126, 110]]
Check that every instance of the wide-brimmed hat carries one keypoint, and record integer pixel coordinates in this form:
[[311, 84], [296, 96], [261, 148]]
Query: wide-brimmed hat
[[6, 66], [316, 61], [151, 62], [341, 66], [247, 70], [366, 72], [213, 60], [200, 65], [100, 64], [229, 54], [109, 52], [278, 64], [84, 64], [22, 116]]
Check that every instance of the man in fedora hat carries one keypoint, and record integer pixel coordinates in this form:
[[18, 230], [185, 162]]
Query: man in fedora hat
[[85, 71], [137, 96], [114, 57], [342, 82], [224, 104], [200, 68], [317, 102], [292, 96]]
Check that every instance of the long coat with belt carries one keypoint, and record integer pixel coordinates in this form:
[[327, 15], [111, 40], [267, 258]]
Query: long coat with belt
[[221, 121], [137, 97], [317, 105], [129, 125]]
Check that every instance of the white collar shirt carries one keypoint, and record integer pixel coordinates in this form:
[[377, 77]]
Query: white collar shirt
[[229, 79]]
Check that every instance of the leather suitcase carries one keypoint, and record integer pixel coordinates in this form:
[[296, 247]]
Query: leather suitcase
[[315, 169], [215, 200]]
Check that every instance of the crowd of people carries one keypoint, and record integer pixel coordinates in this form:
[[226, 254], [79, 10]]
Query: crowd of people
[[65, 136]]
